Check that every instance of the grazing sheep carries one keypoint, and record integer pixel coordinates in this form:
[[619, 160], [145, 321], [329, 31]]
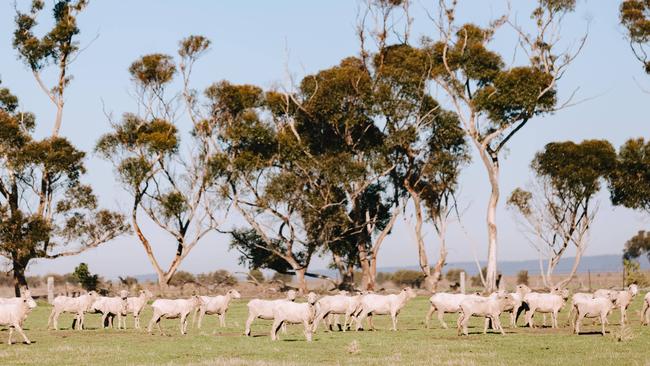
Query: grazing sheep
[[76, 305], [373, 304], [110, 307], [442, 303], [263, 309], [489, 307], [294, 313], [173, 309], [13, 313], [545, 303], [134, 305], [336, 305], [623, 298], [597, 307], [216, 305], [645, 314]]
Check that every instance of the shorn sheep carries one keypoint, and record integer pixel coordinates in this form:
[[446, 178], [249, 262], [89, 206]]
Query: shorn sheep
[[134, 305], [13, 314], [216, 305], [294, 313], [341, 304], [110, 307], [173, 309], [623, 298], [373, 304], [545, 303], [442, 303], [597, 307], [76, 305], [488, 307], [645, 312], [263, 309]]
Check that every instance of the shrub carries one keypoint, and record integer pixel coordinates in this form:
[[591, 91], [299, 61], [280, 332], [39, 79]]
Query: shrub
[[282, 277], [408, 278], [257, 275], [633, 273], [181, 278], [522, 277], [217, 278], [87, 280], [453, 275]]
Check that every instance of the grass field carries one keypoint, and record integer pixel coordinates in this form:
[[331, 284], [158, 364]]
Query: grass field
[[411, 345]]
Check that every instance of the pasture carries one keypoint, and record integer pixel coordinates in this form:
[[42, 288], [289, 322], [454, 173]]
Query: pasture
[[411, 345]]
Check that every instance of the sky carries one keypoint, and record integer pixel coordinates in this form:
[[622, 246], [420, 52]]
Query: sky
[[261, 42]]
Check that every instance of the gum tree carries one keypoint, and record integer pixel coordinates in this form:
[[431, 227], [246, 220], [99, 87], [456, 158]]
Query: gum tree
[[494, 101], [45, 210], [559, 211], [176, 187], [635, 17]]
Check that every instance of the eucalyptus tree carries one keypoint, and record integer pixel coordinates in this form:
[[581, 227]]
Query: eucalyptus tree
[[174, 186], [629, 183], [45, 210], [635, 17], [494, 101], [560, 209], [57, 48]]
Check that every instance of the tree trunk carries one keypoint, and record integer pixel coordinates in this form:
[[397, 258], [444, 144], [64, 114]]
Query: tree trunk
[[20, 281], [300, 277], [491, 163], [419, 240], [346, 271], [366, 282]]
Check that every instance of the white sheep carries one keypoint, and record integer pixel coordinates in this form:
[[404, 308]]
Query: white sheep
[[19, 300], [173, 309], [578, 296], [443, 302], [76, 305], [294, 313], [489, 307], [545, 303], [335, 305], [623, 298], [216, 305], [597, 307], [373, 304], [263, 309], [134, 305], [110, 307], [13, 313], [645, 314]]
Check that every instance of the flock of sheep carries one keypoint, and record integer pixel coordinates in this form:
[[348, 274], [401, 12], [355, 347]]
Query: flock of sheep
[[354, 307]]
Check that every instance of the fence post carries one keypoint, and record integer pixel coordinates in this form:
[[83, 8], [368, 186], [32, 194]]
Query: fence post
[[50, 289], [462, 282]]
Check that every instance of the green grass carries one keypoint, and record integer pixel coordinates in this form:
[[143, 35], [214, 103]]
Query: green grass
[[412, 344]]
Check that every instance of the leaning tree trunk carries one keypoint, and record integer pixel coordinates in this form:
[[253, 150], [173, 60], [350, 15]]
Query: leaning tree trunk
[[20, 281], [491, 163]]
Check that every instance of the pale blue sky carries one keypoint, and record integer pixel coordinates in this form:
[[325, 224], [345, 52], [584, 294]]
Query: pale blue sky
[[250, 42]]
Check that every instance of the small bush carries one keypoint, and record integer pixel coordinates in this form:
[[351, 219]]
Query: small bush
[[87, 280], [522, 277], [282, 277], [453, 275], [257, 275], [181, 278], [408, 278]]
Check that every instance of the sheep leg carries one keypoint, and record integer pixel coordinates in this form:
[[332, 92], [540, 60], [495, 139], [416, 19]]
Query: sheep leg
[[645, 314], [183, 324], [465, 321], [11, 333], [360, 318], [104, 316], [155, 319], [20, 330], [249, 321], [200, 316], [603, 320], [622, 315], [136, 321], [274, 329], [53, 320], [308, 333], [370, 323], [544, 320], [393, 316], [529, 317], [317, 320], [80, 323], [554, 319], [485, 324], [497, 324], [441, 318], [579, 322], [513, 318], [428, 317]]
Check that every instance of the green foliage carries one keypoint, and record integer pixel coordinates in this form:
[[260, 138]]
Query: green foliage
[[87, 280], [254, 252], [153, 70], [637, 246], [634, 275], [635, 17], [630, 182], [522, 277], [453, 275], [257, 275], [408, 278]]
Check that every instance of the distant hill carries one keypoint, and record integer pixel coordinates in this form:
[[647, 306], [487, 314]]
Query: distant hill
[[595, 263]]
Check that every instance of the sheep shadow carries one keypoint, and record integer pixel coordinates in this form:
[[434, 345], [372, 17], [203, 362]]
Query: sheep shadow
[[593, 333]]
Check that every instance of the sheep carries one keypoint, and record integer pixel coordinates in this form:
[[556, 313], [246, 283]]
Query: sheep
[[335, 305], [645, 314], [373, 304], [489, 307], [76, 305], [545, 303], [172, 309], [109, 307], [134, 305], [294, 313], [216, 305], [13, 313], [578, 296], [19, 300], [263, 309], [591, 308], [442, 303], [623, 298]]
